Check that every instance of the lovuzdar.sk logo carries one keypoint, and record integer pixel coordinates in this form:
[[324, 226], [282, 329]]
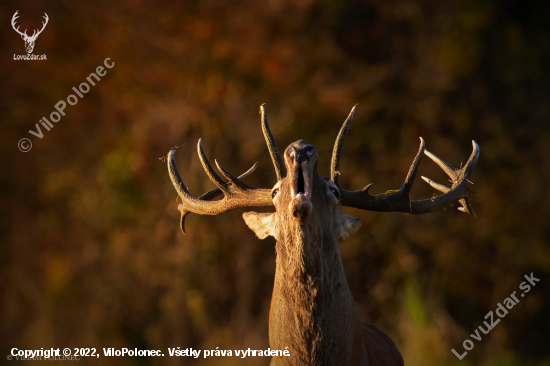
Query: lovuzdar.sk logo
[[29, 40]]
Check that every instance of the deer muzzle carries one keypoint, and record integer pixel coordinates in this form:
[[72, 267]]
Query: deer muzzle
[[301, 162]]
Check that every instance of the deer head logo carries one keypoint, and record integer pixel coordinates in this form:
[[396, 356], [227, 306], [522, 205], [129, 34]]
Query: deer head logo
[[29, 41]]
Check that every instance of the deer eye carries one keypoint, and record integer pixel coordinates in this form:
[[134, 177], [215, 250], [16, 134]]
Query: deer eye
[[274, 193], [335, 192]]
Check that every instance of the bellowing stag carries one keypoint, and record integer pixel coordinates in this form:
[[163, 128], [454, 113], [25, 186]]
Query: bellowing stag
[[312, 309]]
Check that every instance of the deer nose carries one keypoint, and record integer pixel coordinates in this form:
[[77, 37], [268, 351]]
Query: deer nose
[[302, 154]]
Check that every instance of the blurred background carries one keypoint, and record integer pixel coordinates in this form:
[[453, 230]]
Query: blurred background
[[92, 255]]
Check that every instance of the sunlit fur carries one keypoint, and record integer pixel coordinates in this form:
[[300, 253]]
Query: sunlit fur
[[312, 309]]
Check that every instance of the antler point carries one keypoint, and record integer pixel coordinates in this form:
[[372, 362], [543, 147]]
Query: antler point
[[366, 188]]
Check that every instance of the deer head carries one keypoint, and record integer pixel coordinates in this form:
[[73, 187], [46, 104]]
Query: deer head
[[29, 41], [305, 202]]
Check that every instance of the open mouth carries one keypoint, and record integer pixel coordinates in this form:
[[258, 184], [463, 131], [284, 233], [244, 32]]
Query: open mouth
[[301, 185], [301, 188], [301, 163], [300, 206]]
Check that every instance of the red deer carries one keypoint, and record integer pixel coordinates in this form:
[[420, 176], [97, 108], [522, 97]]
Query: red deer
[[312, 309]]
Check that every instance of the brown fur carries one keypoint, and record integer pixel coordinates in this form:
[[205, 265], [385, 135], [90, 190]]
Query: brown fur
[[312, 309]]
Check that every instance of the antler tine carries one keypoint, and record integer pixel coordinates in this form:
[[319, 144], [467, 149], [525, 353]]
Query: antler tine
[[230, 177], [336, 151], [403, 194], [407, 185], [466, 207], [43, 24], [446, 167], [472, 161], [439, 187], [276, 157], [214, 177], [13, 19], [216, 192], [178, 183]]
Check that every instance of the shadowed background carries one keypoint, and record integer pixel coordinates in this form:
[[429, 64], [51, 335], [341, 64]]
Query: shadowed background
[[92, 255]]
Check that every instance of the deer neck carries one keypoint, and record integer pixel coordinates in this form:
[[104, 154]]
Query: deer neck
[[312, 305]]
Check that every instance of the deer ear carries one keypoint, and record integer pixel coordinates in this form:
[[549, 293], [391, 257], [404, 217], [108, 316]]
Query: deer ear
[[261, 223], [346, 225]]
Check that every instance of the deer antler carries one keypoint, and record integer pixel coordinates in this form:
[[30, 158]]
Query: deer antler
[[216, 192], [278, 162], [400, 201], [236, 193], [13, 19], [35, 34]]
